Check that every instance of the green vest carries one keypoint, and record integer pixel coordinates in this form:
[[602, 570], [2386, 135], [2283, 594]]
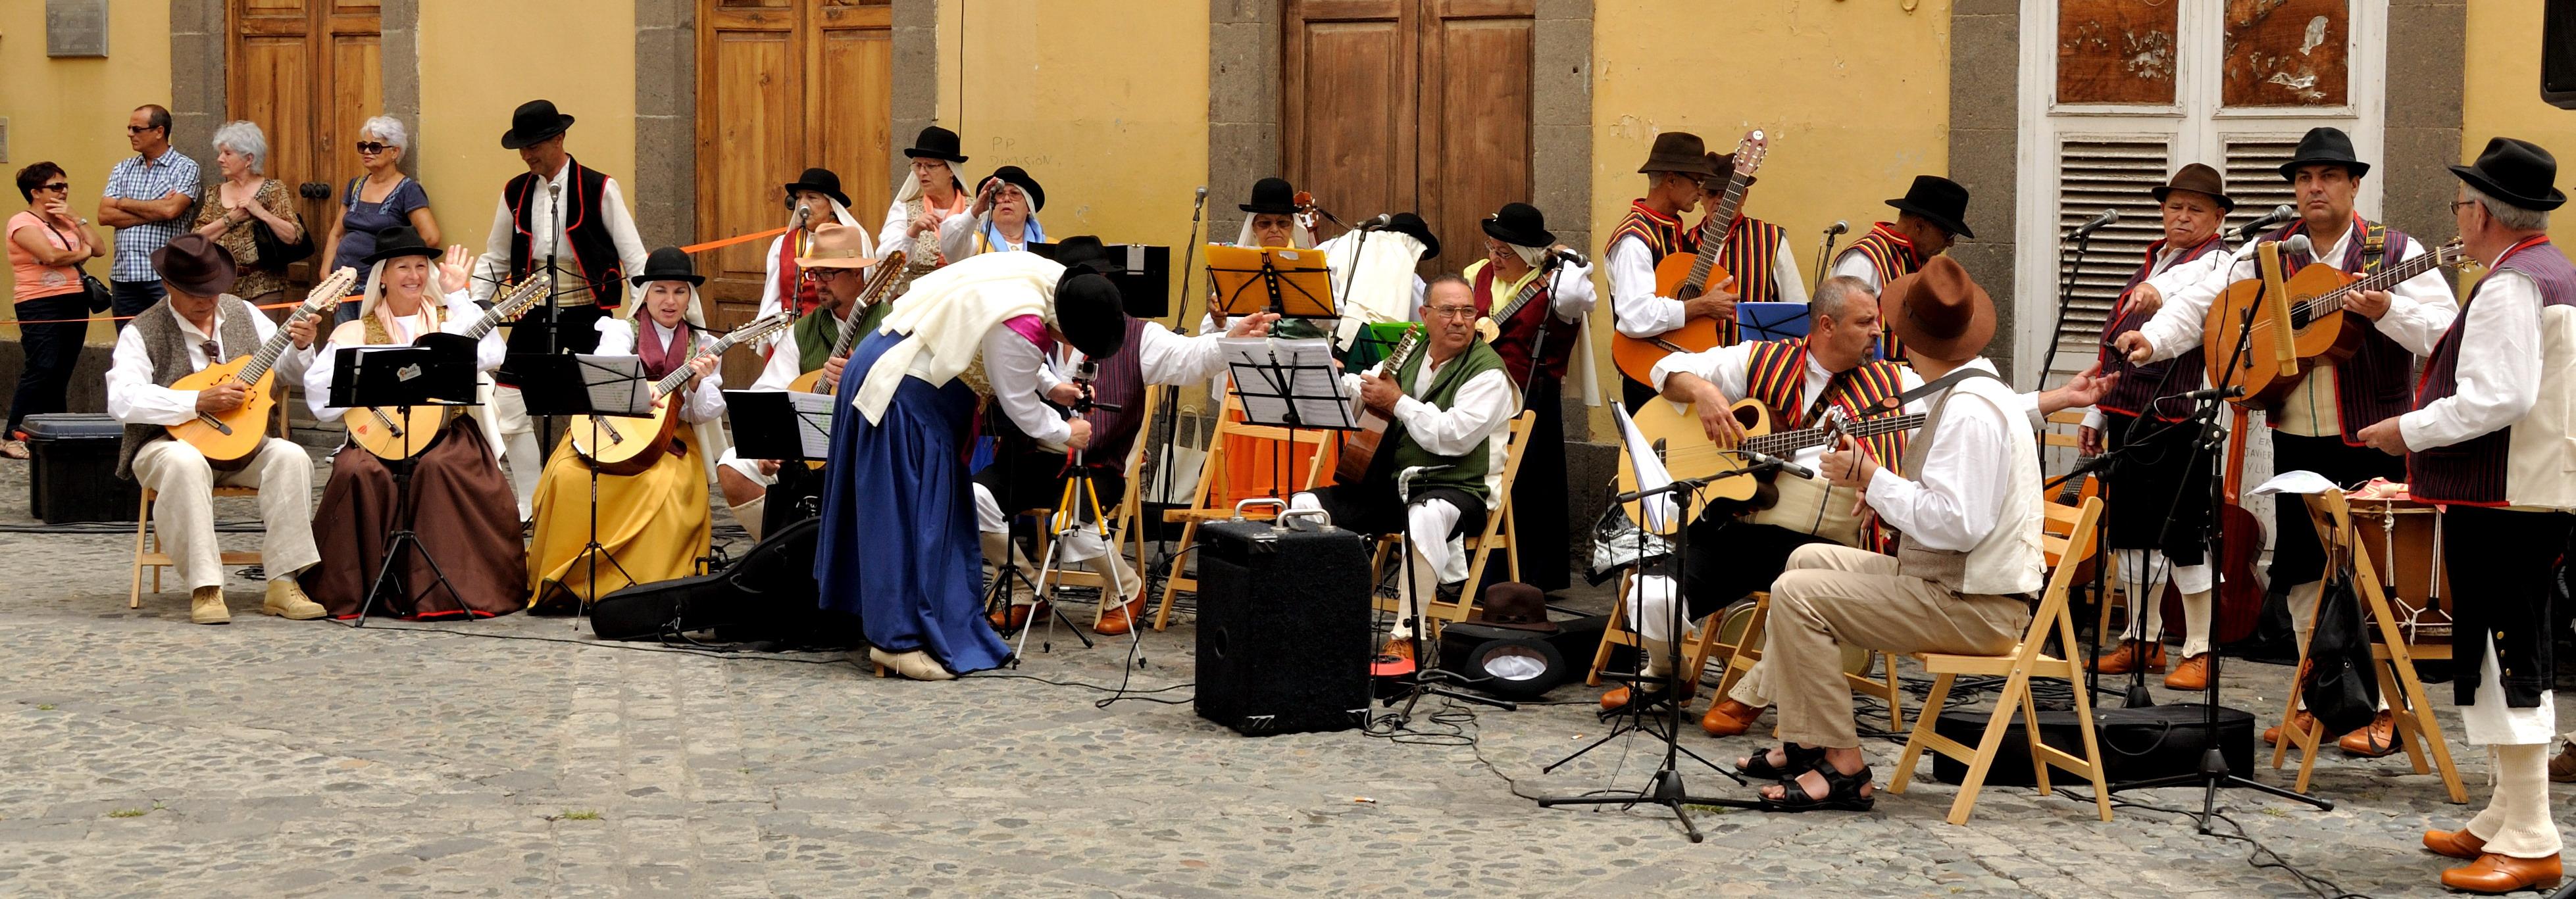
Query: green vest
[[1465, 472], [815, 333]]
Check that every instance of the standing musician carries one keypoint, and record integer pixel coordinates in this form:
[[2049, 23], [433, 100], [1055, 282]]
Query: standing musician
[[2318, 426], [815, 196], [593, 248], [2490, 443], [2160, 510], [1757, 252], [1651, 231], [1931, 217], [1374, 271], [461, 505], [1440, 460], [655, 523], [1537, 342], [935, 193], [837, 270], [1003, 219], [197, 324]]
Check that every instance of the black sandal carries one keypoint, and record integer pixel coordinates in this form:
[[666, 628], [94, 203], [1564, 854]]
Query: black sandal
[[1842, 792], [1759, 767]]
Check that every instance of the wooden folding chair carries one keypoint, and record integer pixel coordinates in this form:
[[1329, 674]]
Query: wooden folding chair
[[1747, 649], [1121, 522], [147, 546], [1700, 644], [1497, 535], [1206, 505], [2068, 537]]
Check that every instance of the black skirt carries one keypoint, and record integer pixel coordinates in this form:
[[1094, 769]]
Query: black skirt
[[2156, 496]]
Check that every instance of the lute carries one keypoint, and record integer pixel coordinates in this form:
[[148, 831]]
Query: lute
[[394, 433], [630, 444], [235, 434]]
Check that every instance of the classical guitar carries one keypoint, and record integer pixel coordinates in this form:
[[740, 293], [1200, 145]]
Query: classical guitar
[[1359, 447], [233, 435], [2323, 333], [1684, 277], [888, 272], [393, 433], [630, 444], [1675, 431]]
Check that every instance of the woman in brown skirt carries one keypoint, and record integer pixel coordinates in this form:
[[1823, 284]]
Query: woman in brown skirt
[[461, 506]]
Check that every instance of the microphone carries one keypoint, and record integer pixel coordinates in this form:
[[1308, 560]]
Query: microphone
[[2214, 393], [2279, 214], [2099, 222], [1379, 223], [1838, 227], [803, 212], [1571, 257], [2299, 244], [1202, 198], [1784, 465]]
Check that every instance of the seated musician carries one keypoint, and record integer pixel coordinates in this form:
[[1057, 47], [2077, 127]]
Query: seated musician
[[1651, 231], [1963, 571], [837, 269], [1004, 218], [197, 325], [654, 523], [461, 504], [1538, 342], [817, 195], [1442, 454]]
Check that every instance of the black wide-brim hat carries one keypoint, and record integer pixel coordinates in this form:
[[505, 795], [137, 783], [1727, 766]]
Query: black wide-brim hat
[[397, 241], [668, 264], [1272, 196], [2199, 179], [821, 181], [1411, 225], [2324, 146], [195, 265], [2517, 172], [533, 123], [1019, 177], [1519, 224], [935, 142], [1089, 310], [1938, 200]]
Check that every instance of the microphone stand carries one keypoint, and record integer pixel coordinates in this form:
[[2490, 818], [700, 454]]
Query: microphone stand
[[2065, 300], [1167, 426], [554, 310]]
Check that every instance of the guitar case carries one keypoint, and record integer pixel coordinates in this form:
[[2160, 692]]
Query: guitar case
[[767, 595], [2137, 744]]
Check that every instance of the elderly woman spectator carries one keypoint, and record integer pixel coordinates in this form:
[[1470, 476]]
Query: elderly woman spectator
[[47, 244], [246, 194], [380, 199]]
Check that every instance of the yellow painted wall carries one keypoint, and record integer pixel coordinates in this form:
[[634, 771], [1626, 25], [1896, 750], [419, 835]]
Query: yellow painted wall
[[470, 80], [2501, 93], [1106, 108], [72, 112]]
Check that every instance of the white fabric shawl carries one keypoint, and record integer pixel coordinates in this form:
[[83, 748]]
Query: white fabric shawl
[[947, 313]]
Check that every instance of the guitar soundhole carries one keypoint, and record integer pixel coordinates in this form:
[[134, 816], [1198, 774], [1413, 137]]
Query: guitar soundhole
[[2300, 314]]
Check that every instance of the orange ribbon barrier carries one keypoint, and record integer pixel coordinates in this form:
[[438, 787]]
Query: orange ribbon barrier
[[118, 318], [730, 241]]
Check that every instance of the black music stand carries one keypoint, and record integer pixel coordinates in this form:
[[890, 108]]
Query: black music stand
[[782, 425], [1143, 274], [364, 379], [593, 386]]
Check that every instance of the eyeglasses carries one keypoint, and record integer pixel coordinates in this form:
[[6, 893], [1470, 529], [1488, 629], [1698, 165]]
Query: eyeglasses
[[1454, 311], [138, 129], [54, 186], [372, 148]]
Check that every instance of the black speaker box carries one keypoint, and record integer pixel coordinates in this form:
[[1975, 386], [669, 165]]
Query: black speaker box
[[2137, 744], [1283, 640], [2558, 53]]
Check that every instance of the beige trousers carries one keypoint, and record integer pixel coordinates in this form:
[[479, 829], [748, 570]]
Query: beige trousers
[[1832, 596], [184, 512]]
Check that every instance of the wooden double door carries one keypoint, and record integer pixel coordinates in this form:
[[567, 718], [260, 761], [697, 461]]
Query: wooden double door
[[1411, 105], [308, 73]]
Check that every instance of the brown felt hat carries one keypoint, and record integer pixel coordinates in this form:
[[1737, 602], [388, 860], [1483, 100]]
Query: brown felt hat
[[837, 245], [194, 265], [1515, 605], [1939, 312], [2199, 179], [1678, 151]]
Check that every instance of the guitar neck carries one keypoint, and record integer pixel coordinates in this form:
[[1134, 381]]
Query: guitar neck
[[1527, 292], [272, 348], [1713, 233], [1788, 442], [2382, 279]]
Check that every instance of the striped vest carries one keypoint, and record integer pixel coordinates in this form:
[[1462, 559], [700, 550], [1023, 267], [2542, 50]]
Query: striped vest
[[2476, 472], [1663, 235], [1890, 257], [2140, 386], [1514, 338], [2370, 386], [1752, 248], [1775, 372]]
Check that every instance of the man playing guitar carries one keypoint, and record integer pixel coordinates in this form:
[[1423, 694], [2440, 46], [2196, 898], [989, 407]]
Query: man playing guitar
[[1651, 231]]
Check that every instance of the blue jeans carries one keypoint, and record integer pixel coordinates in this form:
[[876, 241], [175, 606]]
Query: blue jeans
[[133, 297], [51, 352]]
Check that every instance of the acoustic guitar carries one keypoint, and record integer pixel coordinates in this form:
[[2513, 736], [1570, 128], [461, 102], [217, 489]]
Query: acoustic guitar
[[1359, 448], [1685, 277], [1674, 430], [2323, 332], [234, 435], [888, 272], [630, 444], [395, 433]]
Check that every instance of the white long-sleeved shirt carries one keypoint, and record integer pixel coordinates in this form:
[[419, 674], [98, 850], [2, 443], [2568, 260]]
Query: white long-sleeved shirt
[[1162, 357], [2190, 272], [704, 402], [1017, 369], [1955, 501], [1640, 312], [493, 267], [958, 233], [461, 315], [1483, 407], [2500, 366], [895, 232], [133, 399]]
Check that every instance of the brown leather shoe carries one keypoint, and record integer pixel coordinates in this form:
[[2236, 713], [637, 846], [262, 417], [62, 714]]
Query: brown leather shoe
[[2121, 660], [2562, 768], [1397, 648], [1015, 617], [1121, 618], [2493, 873], [2300, 721], [2192, 674], [2455, 843], [1617, 697], [1729, 718], [2372, 740]]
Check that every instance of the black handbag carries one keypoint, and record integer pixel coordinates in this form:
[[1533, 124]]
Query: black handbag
[[274, 254], [2341, 690], [93, 291]]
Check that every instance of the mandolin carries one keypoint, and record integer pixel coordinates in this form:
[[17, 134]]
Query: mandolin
[[394, 433], [1675, 431], [233, 435], [630, 444], [2323, 333], [1359, 447], [1684, 277], [888, 271]]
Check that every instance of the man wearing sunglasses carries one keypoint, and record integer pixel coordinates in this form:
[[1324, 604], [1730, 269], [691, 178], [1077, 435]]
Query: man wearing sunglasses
[[148, 196]]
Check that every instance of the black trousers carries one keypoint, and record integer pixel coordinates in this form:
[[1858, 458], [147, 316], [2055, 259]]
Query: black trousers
[[126, 298], [1728, 558], [52, 352], [2296, 556], [2499, 563], [2158, 494], [1538, 490]]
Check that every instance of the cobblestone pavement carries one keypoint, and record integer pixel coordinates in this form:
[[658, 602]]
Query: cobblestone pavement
[[147, 756]]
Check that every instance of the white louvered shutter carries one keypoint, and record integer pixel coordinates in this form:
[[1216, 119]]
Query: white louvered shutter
[[2094, 175], [2254, 174]]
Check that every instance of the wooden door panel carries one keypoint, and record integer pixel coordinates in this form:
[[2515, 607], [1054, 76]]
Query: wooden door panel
[[1476, 103], [355, 93], [1352, 147], [753, 140], [272, 78], [853, 92]]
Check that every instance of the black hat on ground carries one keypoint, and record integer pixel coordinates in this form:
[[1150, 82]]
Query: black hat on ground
[[1411, 225], [1938, 200], [1519, 224], [820, 181], [1678, 151], [532, 123], [2517, 172], [1088, 308], [1014, 175], [399, 240], [195, 265], [1272, 196], [669, 264], [2324, 146], [935, 142]]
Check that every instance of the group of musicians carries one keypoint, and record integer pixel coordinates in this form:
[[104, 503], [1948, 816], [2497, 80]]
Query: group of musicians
[[1902, 543]]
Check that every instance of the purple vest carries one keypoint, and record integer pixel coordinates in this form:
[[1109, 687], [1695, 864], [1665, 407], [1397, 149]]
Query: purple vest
[[2141, 385], [1120, 383], [2370, 386], [2472, 472]]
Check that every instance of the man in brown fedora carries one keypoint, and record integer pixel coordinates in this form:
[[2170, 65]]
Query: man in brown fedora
[[1970, 515], [1757, 254], [196, 325], [836, 264], [2149, 529], [1651, 231], [1931, 216]]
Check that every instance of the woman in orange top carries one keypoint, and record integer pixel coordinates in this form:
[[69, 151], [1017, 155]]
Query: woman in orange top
[[47, 244]]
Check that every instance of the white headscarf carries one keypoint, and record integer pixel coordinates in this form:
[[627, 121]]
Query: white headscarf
[[695, 315], [911, 189]]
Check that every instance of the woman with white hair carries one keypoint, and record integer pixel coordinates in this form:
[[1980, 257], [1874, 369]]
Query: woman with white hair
[[461, 505], [929, 197], [247, 194], [382, 198]]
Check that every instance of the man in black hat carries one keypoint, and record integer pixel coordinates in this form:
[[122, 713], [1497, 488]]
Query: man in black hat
[[1757, 255], [198, 324], [2318, 426], [567, 215], [814, 200], [1931, 216], [1539, 301], [2490, 442], [1004, 217], [1651, 231], [933, 193]]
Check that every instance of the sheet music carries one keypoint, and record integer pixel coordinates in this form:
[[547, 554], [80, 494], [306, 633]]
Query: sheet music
[[616, 384], [1312, 390], [1660, 510], [813, 422]]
